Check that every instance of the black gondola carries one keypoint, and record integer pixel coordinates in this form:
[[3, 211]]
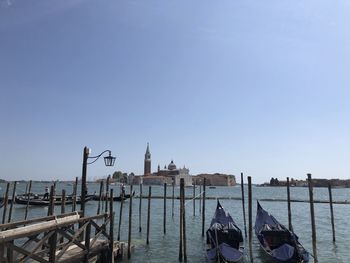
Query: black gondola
[[23, 200], [276, 240], [224, 238]]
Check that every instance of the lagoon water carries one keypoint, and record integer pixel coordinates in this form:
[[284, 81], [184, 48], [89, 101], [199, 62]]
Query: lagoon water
[[164, 248]]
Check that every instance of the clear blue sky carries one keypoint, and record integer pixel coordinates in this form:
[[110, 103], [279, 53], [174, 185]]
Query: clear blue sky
[[226, 86]]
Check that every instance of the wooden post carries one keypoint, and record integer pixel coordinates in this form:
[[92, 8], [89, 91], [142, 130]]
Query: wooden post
[[331, 207], [173, 198], [250, 227], [53, 242], [86, 153], [312, 212], [164, 211], [120, 215], [200, 199], [6, 198], [243, 206], [74, 206], [289, 208], [107, 190], [111, 226], [203, 212], [29, 191], [181, 220], [194, 199], [130, 217], [63, 207], [148, 213], [51, 209], [12, 201], [184, 220], [140, 209], [99, 198]]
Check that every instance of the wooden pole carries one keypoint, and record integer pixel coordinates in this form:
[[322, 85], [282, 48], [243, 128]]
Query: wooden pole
[[111, 226], [99, 198], [107, 190], [29, 191], [74, 206], [130, 217], [53, 242], [289, 208], [173, 198], [331, 207], [86, 152], [203, 210], [181, 221], [120, 215], [12, 201], [184, 220], [200, 199], [250, 215], [194, 199], [164, 211], [50, 211], [6, 198], [312, 212], [140, 209], [63, 201], [148, 213], [243, 206]]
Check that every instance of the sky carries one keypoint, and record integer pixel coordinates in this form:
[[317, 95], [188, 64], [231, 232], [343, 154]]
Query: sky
[[259, 87]]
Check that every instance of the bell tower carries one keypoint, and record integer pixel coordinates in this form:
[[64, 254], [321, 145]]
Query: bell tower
[[147, 170]]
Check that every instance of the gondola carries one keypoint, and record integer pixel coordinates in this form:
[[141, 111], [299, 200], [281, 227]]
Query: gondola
[[224, 238], [276, 240], [115, 198], [45, 202]]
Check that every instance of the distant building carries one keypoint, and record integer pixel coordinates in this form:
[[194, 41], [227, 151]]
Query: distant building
[[147, 163], [216, 179]]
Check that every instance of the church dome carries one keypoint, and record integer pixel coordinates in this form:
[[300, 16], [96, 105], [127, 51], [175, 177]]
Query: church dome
[[172, 166]]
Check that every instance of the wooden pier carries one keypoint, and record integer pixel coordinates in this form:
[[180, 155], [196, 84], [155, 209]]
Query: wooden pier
[[65, 238]]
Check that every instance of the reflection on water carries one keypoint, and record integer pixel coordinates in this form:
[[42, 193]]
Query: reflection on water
[[164, 248]]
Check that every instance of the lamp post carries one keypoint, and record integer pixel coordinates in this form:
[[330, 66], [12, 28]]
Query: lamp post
[[109, 161]]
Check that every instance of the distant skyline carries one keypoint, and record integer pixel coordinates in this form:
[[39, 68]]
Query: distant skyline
[[232, 86]]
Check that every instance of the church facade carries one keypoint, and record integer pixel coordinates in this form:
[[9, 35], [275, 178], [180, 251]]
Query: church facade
[[169, 175]]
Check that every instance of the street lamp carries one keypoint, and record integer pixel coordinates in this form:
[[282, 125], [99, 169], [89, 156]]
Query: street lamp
[[109, 161]]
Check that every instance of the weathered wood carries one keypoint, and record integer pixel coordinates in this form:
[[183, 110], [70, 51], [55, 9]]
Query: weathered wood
[[200, 199], [250, 215], [100, 198], [6, 198], [111, 227], [184, 221], [181, 223], [140, 208], [51, 209], [107, 192], [194, 199], [312, 212], [164, 211], [86, 152], [29, 191], [243, 206], [13, 200], [63, 207], [130, 217], [74, 206], [52, 243], [331, 208], [120, 216], [203, 212], [289, 208], [87, 242], [173, 199], [148, 213]]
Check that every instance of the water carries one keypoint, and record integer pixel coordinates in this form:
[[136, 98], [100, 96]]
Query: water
[[164, 248]]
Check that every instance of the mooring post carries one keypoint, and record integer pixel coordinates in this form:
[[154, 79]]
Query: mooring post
[[194, 199], [74, 206], [148, 213], [312, 211], [203, 212], [120, 215], [111, 227], [51, 208], [63, 202], [5, 203], [181, 220], [200, 199], [140, 209], [184, 220], [243, 206], [29, 191], [130, 217], [173, 199], [164, 212], [12, 201], [99, 198], [250, 227], [289, 208], [107, 193], [87, 242], [53, 244], [331, 207]]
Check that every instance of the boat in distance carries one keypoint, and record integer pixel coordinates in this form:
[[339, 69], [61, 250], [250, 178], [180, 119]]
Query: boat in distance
[[37, 201], [276, 240], [224, 238]]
